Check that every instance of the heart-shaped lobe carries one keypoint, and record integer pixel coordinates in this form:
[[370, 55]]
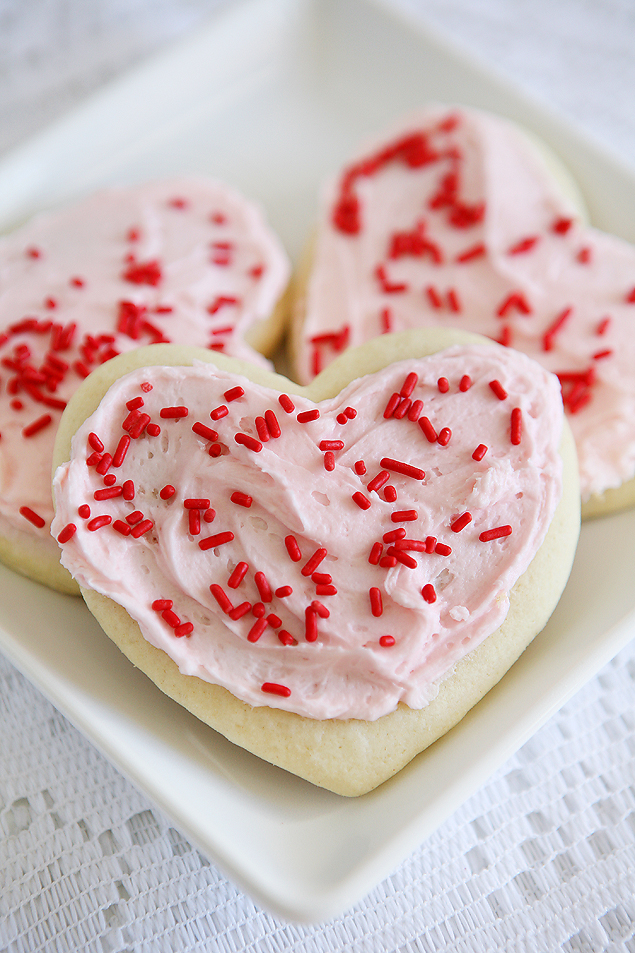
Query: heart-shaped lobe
[[456, 219], [184, 260], [331, 559]]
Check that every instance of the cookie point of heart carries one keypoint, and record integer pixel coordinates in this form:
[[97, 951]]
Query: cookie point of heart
[[334, 562]]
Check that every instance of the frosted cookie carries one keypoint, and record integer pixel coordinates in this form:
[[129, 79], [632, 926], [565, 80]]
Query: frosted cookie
[[457, 218], [331, 576], [187, 260]]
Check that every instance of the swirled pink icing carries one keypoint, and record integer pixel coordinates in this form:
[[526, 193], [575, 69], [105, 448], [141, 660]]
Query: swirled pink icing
[[454, 218], [332, 559], [186, 260]]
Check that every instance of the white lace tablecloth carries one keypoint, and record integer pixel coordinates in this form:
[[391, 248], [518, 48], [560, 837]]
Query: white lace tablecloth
[[543, 857]]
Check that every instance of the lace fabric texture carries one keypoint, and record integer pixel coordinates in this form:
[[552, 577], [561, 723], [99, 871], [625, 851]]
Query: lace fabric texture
[[542, 858]]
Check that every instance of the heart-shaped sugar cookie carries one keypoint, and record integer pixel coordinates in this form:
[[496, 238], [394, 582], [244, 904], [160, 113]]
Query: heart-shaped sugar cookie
[[329, 564], [455, 219], [186, 260]]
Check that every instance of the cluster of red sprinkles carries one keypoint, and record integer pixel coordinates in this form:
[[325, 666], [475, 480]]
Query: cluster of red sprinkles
[[259, 602], [439, 150], [42, 353]]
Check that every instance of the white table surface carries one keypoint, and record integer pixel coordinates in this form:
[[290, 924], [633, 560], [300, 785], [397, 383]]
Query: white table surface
[[543, 857]]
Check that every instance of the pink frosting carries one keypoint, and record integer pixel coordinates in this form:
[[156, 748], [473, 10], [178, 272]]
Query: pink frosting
[[368, 619], [455, 219], [185, 260]]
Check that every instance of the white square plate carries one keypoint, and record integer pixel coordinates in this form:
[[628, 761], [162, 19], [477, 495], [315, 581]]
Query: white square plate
[[272, 96]]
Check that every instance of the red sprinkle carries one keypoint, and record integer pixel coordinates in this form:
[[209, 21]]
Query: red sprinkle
[[378, 481], [524, 245], [132, 404], [516, 425], [248, 441], [121, 451], [83, 511], [390, 494], [128, 490], [37, 425], [465, 383], [428, 593], [498, 389], [219, 412], [283, 592], [403, 408], [272, 423], [409, 384], [362, 501], [394, 534], [194, 522], [514, 300], [97, 522], [122, 527], [95, 443], [480, 452], [287, 639], [477, 251], [183, 630], [234, 393], [242, 499], [257, 629], [308, 415], [67, 533], [376, 604], [375, 553], [403, 557], [262, 429], [497, 533], [238, 575], [386, 641], [167, 491], [141, 528], [311, 565], [360, 468], [404, 468], [552, 330], [392, 405], [428, 430], [286, 403], [461, 522], [171, 618], [444, 437], [173, 412], [442, 550], [329, 460], [206, 432], [239, 611], [196, 503], [310, 624], [211, 541], [292, 548], [403, 516], [273, 688], [159, 605], [135, 517], [415, 410], [108, 493], [221, 598], [263, 587]]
